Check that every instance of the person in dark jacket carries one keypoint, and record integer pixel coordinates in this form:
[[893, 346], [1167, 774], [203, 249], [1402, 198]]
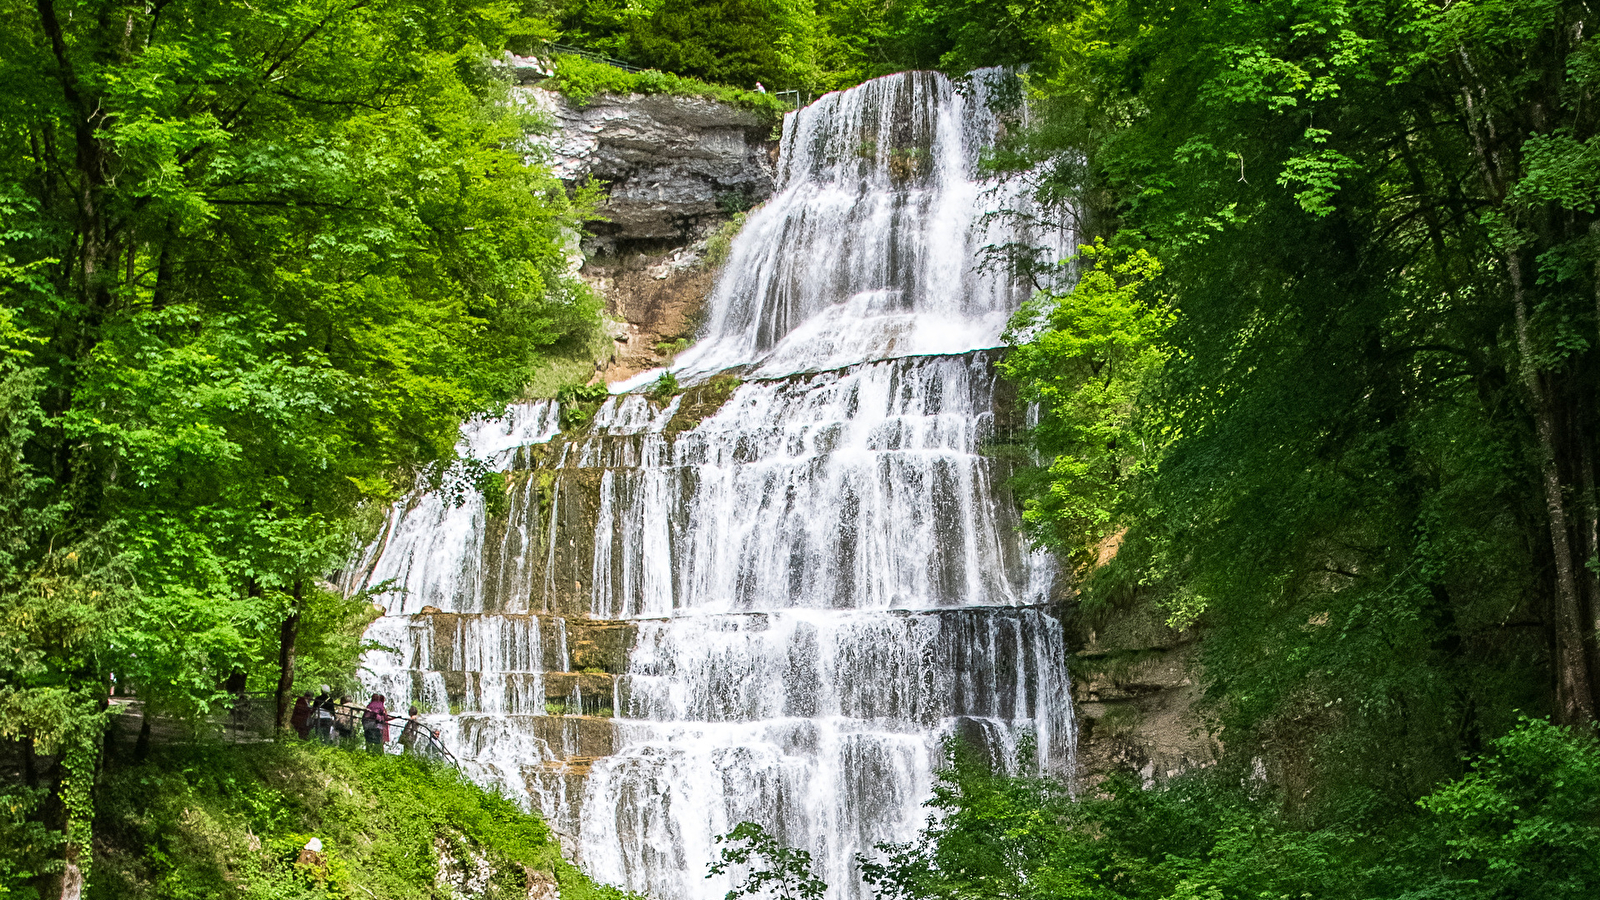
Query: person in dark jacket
[[375, 724], [413, 731], [300, 719], [322, 715]]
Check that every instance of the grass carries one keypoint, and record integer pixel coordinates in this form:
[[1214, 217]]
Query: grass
[[228, 822], [572, 361]]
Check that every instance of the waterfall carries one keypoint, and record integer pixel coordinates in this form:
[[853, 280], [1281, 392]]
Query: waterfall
[[775, 596]]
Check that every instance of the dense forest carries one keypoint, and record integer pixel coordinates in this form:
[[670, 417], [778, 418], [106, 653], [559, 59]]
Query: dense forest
[[1324, 392]]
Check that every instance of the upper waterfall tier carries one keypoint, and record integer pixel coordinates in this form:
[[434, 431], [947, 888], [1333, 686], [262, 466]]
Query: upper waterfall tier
[[857, 489], [870, 248]]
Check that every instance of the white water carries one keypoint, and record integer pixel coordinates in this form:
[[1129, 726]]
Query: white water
[[824, 579]]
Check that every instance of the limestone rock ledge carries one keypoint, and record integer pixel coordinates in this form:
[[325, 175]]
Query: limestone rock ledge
[[674, 170], [674, 166], [1135, 694]]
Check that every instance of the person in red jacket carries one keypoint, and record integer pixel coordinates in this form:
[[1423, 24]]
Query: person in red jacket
[[375, 724], [300, 719]]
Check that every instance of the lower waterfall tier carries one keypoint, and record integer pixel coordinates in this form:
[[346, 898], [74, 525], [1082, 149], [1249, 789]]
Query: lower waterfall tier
[[824, 727]]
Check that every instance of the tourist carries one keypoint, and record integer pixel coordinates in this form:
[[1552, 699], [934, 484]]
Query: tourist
[[431, 747], [413, 731], [344, 718], [300, 719], [322, 715], [375, 724]]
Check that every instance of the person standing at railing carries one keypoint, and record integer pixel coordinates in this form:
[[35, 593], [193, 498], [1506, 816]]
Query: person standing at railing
[[300, 719], [344, 718], [322, 715], [431, 747], [413, 731], [375, 724]]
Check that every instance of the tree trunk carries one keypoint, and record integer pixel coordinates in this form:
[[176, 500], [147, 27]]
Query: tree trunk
[[1574, 694], [141, 747], [70, 812], [1574, 689], [288, 631]]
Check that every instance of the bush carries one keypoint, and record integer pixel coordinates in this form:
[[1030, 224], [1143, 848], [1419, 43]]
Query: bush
[[664, 388], [1525, 822], [580, 79]]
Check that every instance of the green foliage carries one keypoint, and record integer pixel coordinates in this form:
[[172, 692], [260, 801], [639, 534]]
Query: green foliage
[[329, 643], [720, 243], [496, 497], [1521, 824], [672, 348], [579, 403], [811, 45], [580, 79], [664, 388], [1084, 357], [960, 35], [726, 41], [770, 868], [31, 848], [225, 822], [1526, 820], [1366, 444], [257, 265]]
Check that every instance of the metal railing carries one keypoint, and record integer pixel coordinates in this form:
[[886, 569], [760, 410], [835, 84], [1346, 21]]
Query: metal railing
[[252, 717], [597, 57]]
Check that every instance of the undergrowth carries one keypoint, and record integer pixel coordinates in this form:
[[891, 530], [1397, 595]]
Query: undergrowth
[[579, 79], [230, 821]]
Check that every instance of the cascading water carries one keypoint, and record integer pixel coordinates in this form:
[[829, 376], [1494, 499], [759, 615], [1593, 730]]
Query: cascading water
[[770, 604]]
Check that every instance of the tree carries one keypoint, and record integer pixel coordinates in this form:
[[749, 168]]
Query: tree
[[1376, 230], [728, 41], [265, 259], [1084, 357], [786, 874]]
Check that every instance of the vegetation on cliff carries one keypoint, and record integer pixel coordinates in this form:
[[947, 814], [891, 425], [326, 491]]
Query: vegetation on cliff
[[805, 45], [580, 79], [1326, 390]]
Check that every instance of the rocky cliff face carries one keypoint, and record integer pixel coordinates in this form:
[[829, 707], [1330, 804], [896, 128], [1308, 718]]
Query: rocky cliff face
[[1134, 690], [673, 166], [675, 169]]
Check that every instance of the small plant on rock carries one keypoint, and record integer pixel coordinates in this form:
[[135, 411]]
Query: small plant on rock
[[665, 388], [579, 403]]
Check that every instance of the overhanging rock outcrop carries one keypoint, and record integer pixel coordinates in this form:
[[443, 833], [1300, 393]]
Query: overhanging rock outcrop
[[674, 169], [674, 166]]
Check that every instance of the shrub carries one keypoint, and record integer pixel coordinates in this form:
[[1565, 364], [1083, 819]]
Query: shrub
[[580, 79]]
